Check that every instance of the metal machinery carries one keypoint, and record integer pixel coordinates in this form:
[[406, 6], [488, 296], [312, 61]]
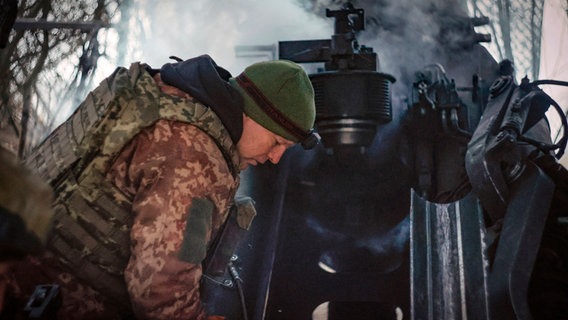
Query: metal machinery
[[443, 205]]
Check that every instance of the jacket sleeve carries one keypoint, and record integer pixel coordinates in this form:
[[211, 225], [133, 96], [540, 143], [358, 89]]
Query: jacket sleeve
[[172, 172]]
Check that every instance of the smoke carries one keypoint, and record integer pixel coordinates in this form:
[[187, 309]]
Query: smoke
[[395, 239], [403, 33], [190, 28], [381, 253]]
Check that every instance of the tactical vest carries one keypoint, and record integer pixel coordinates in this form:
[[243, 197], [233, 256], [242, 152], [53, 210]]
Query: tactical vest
[[92, 219]]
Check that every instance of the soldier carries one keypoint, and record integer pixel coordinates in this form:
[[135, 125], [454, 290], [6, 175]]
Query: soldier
[[145, 172]]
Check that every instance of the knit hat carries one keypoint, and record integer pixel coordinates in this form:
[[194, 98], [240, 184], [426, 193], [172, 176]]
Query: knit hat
[[279, 96]]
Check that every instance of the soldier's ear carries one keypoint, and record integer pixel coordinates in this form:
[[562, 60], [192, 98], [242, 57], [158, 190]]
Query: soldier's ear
[[246, 120]]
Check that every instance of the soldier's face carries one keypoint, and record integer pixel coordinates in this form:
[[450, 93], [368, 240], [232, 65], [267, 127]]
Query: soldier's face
[[257, 144]]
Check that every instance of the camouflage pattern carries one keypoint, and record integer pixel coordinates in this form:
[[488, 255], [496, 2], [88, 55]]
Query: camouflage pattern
[[159, 282], [140, 157]]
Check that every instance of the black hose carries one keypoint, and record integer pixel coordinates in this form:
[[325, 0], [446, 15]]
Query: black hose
[[239, 282], [562, 143], [555, 82], [564, 140]]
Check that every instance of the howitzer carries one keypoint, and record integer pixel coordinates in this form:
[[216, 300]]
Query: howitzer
[[475, 257]]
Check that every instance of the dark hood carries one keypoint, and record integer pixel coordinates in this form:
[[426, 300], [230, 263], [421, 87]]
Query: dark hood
[[204, 80]]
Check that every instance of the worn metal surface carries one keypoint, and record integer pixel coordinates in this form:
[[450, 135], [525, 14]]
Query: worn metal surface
[[448, 278], [518, 245]]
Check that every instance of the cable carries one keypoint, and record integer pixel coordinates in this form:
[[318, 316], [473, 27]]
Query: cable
[[554, 82], [564, 140], [562, 143], [239, 282]]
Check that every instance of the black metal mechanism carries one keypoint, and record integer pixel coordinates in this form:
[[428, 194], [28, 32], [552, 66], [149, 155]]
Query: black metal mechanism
[[516, 194], [438, 128], [351, 97], [420, 229], [471, 261], [459, 34], [494, 157], [447, 278]]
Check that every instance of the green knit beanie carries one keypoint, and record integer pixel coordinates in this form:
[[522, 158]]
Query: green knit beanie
[[279, 96]]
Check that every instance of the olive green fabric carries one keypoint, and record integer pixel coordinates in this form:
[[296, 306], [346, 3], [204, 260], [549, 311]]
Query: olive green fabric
[[194, 247], [288, 88]]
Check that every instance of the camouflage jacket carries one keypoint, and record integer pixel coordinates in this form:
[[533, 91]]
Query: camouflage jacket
[[181, 197], [170, 186]]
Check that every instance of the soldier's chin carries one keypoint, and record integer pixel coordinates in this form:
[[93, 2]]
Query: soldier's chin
[[243, 165], [246, 162]]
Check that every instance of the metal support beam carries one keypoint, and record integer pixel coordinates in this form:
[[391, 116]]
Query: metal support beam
[[448, 274], [34, 24]]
